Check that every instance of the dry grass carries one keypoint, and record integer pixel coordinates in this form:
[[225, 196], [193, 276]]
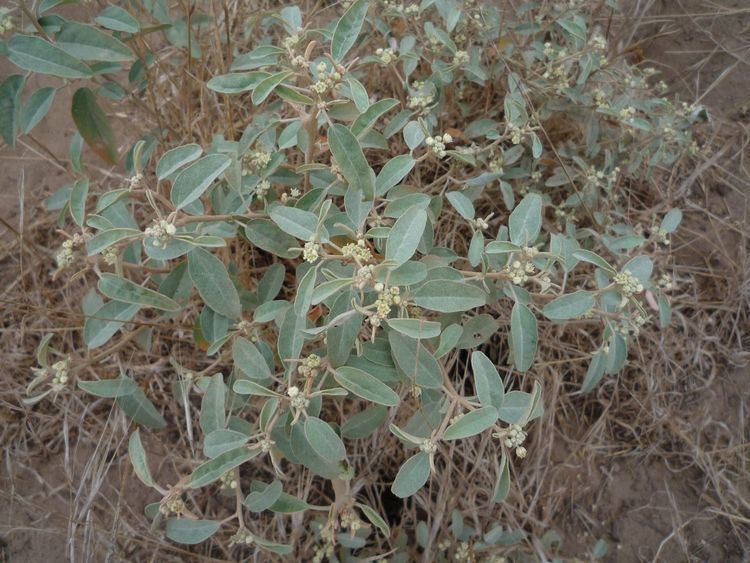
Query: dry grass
[[66, 471]]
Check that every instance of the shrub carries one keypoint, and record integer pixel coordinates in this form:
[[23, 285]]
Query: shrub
[[364, 214]]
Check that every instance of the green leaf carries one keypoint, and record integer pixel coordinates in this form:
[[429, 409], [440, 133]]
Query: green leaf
[[34, 110], [449, 296], [121, 289], [174, 159], [525, 222], [471, 423], [364, 423], [10, 103], [501, 247], [359, 94], [91, 44], [595, 372], [595, 259], [214, 286], [415, 328], [367, 119], [671, 220], [258, 501], [351, 160], [516, 408], [569, 306], [138, 458], [641, 267], [190, 532], [324, 440], [296, 222], [502, 485], [375, 519], [222, 440], [105, 239], [326, 289], [413, 135], [305, 292], [193, 181], [347, 29], [102, 325], [665, 311], [416, 361], [393, 172], [236, 82], [93, 125], [137, 406], [247, 387], [248, 359], [117, 19], [109, 388], [366, 386], [267, 236], [405, 235], [289, 94], [210, 471], [487, 381], [523, 330], [78, 197], [37, 55], [212, 415], [412, 475], [462, 204], [268, 84], [448, 339]]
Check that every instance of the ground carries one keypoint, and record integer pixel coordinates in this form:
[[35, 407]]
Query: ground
[[640, 504]]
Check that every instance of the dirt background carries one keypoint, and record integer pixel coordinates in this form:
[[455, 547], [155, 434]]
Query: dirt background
[[644, 509]]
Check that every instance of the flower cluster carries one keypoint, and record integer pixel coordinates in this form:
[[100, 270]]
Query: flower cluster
[[261, 190], [349, 520], [310, 365], [386, 298], [661, 236], [311, 252], [399, 7], [66, 254], [60, 374], [327, 79], [364, 276], [516, 133], [513, 438], [137, 182], [291, 42], [254, 161], [479, 224], [386, 56], [520, 269], [422, 97], [629, 284], [460, 58], [228, 480], [242, 537], [161, 231], [665, 282], [428, 446], [110, 255], [298, 400], [6, 21], [358, 251], [171, 504], [437, 143]]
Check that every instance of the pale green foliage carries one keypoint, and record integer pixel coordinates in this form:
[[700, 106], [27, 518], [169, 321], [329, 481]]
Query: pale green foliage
[[341, 189]]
